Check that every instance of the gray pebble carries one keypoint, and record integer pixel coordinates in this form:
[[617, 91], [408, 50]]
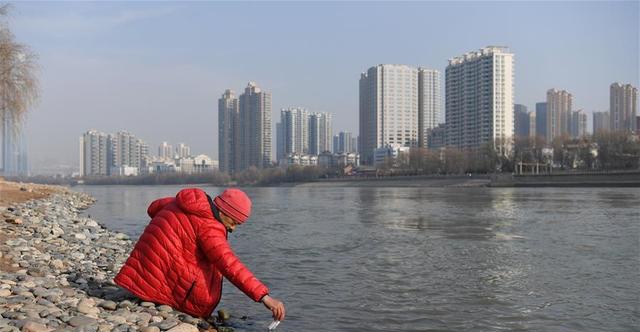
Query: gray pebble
[[168, 323], [109, 305], [79, 321], [164, 308], [150, 329]]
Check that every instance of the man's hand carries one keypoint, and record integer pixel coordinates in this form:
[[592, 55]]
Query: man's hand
[[276, 307]]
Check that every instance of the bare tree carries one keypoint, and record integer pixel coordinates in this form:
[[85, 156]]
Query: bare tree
[[18, 80]]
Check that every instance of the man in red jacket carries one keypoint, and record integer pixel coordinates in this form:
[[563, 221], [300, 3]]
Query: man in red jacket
[[183, 254]]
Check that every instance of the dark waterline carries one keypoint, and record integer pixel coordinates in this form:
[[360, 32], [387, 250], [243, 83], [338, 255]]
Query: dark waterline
[[427, 259]]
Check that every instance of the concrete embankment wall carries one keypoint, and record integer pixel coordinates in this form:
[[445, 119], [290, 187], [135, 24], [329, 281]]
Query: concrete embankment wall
[[404, 181], [622, 179]]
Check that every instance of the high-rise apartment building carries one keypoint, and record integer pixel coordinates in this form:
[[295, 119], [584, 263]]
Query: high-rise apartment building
[[183, 151], [559, 107], [302, 132], [428, 104], [601, 122], [344, 143], [623, 107], [108, 154], [320, 133], [279, 142], [578, 124], [255, 127], [94, 154], [13, 161], [532, 124], [479, 98], [125, 150], [165, 151], [354, 145], [389, 107], [541, 120], [295, 131], [522, 121], [229, 133]]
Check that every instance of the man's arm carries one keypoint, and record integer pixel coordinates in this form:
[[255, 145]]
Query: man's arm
[[215, 246]]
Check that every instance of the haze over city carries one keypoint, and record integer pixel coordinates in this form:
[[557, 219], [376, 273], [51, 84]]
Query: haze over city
[[158, 69]]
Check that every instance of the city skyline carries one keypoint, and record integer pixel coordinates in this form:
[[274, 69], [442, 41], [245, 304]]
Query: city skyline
[[110, 63]]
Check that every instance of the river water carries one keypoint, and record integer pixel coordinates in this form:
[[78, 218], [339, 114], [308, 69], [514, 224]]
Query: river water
[[427, 259]]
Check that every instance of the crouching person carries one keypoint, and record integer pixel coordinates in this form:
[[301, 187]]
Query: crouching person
[[183, 254]]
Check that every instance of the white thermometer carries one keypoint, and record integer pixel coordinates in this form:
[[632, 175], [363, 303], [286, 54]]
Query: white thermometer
[[273, 325]]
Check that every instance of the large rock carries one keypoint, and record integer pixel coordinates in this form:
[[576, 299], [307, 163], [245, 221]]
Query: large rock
[[168, 324], [35, 327], [87, 306], [108, 305], [81, 321], [150, 329], [184, 328], [165, 308]]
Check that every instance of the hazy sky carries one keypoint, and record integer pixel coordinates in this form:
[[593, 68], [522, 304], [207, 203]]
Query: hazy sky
[[157, 69]]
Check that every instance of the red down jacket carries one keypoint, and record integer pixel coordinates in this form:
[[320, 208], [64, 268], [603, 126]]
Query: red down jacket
[[182, 255]]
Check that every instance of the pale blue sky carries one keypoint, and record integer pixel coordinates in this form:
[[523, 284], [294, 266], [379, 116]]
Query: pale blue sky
[[157, 69]]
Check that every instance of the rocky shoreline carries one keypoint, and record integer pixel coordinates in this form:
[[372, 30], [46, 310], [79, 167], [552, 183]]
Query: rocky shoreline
[[56, 270]]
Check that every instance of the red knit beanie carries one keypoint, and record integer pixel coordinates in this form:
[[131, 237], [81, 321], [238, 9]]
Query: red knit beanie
[[235, 204]]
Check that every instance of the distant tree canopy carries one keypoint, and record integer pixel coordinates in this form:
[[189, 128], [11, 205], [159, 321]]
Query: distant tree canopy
[[602, 151]]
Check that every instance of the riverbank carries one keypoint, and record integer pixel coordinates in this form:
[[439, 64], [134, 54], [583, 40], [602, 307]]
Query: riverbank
[[57, 267], [570, 179], [605, 179], [399, 181]]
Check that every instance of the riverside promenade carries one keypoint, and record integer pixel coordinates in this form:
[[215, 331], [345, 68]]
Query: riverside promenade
[[56, 269]]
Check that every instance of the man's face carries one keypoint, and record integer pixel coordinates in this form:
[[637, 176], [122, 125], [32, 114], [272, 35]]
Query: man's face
[[228, 222]]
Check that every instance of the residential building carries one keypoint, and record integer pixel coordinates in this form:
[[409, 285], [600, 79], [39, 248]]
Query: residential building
[[160, 166], [479, 98], [13, 161], [390, 153], [183, 151], [522, 121], [185, 165], [125, 150], [532, 124], [354, 144], [578, 124], [330, 160], [541, 120], [428, 103], [229, 132], [165, 151], [601, 122], [623, 105], [295, 131], [559, 107], [280, 154], [438, 137], [320, 132], [255, 127], [120, 154], [124, 171], [299, 159], [303, 132], [388, 108], [204, 164], [344, 143], [93, 154]]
